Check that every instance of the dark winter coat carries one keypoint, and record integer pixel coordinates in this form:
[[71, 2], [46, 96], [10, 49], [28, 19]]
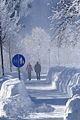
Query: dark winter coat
[[37, 68]]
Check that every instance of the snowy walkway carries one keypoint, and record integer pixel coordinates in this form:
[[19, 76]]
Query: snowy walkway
[[41, 87], [58, 114], [39, 84], [40, 91], [43, 77]]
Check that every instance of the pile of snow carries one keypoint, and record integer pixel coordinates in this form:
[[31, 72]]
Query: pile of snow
[[20, 105], [44, 108], [15, 101], [64, 78], [73, 105], [13, 97]]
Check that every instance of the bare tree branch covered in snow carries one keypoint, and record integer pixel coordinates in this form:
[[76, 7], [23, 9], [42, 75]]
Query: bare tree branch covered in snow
[[65, 16], [33, 46], [11, 11]]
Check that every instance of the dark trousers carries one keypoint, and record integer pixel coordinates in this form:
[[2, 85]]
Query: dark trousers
[[38, 75], [29, 75]]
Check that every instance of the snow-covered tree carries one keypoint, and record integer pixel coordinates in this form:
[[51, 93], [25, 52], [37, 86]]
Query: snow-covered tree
[[64, 13], [65, 16], [11, 12], [35, 47]]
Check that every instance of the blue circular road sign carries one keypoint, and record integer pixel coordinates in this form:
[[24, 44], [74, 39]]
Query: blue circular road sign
[[18, 60]]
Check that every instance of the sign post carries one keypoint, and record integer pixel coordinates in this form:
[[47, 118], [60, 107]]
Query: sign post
[[19, 73], [18, 61]]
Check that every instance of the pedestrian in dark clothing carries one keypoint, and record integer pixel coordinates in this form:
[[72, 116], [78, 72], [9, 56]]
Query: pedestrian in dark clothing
[[37, 69], [29, 70]]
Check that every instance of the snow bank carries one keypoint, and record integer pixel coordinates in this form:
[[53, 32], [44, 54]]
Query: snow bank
[[44, 108], [73, 106], [15, 101], [13, 97], [6, 88], [18, 106], [64, 78]]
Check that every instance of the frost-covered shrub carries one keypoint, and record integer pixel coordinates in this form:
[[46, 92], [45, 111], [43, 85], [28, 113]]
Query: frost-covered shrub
[[20, 103], [76, 90], [73, 105], [4, 118], [17, 103], [18, 106], [44, 108]]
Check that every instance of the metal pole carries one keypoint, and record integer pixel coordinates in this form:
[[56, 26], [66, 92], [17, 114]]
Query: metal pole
[[39, 45], [19, 75], [19, 68], [49, 57]]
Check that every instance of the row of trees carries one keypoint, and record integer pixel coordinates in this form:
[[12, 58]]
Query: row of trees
[[11, 11], [65, 23], [36, 46]]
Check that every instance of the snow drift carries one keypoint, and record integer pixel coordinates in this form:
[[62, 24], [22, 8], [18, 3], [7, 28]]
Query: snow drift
[[13, 97], [15, 101], [73, 105], [64, 78]]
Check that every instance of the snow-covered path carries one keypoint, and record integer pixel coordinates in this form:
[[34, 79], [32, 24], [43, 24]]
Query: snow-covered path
[[40, 86], [58, 114], [5, 93], [46, 87]]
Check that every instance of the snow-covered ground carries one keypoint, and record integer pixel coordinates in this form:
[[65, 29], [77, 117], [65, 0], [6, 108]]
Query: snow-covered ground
[[72, 111], [14, 98], [15, 101], [57, 114], [52, 86], [38, 99], [58, 83], [5, 92]]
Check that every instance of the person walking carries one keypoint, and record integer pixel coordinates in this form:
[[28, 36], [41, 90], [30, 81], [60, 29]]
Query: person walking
[[37, 69], [29, 70]]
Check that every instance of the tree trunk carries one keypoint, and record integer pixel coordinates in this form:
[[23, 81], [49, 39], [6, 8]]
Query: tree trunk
[[10, 57], [58, 56], [1, 49], [49, 51]]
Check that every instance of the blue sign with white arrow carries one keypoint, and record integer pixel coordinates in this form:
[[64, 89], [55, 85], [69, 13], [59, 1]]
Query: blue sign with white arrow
[[18, 60]]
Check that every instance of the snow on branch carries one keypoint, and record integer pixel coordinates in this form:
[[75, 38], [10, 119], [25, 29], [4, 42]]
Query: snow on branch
[[64, 14]]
